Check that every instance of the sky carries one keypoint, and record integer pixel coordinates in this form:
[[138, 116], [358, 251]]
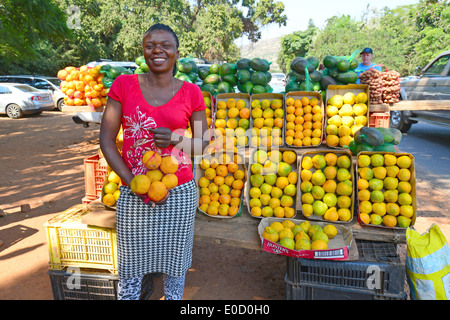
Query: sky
[[299, 12]]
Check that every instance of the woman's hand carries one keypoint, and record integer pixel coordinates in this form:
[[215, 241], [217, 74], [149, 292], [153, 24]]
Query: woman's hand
[[162, 136], [147, 200]]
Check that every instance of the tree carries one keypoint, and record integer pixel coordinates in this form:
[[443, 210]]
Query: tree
[[25, 34]]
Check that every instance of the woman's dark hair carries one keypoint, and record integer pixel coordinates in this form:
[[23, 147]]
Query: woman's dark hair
[[163, 27]]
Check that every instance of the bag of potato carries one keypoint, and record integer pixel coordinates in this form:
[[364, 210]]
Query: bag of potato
[[428, 264]]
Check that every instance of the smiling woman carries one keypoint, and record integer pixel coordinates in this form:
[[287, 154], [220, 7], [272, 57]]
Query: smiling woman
[[154, 109]]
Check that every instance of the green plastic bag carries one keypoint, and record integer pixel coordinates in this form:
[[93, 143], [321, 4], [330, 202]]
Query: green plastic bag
[[428, 264]]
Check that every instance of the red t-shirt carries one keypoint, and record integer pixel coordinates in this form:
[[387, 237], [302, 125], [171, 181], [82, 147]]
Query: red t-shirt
[[138, 116]]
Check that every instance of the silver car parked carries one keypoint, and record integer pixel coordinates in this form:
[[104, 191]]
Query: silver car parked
[[18, 99]]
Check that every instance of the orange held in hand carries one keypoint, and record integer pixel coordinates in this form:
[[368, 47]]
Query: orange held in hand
[[157, 191], [151, 160], [169, 164]]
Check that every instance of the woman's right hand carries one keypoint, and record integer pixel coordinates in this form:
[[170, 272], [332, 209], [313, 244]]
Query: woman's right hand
[[148, 201]]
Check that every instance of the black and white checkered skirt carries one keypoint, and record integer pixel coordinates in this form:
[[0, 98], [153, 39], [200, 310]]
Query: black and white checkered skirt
[[156, 239]]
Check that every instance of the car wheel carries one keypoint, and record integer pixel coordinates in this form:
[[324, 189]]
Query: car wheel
[[397, 121], [60, 104], [13, 111]]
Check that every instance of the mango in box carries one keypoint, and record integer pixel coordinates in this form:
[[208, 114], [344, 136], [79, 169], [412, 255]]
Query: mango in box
[[385, 198]]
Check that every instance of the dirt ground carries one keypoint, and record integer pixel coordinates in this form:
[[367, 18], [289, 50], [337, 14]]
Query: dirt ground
[[42, 166]]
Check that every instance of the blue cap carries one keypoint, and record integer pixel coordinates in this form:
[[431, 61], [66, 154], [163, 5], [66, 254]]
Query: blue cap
[[367, 50]]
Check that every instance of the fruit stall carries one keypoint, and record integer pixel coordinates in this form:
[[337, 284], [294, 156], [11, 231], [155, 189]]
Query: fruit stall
[[313, 174]]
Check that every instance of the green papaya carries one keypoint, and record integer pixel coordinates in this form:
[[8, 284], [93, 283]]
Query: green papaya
[[268, 76], [387, 134], [352, 146], [296, 76], [343, 65], [385, 147], [212, 79], [203, 73], [292, 86], [315, 76], [214, 68], [259, 64], [243, 64], [363, 147], [209, 88], [231, 79], [227, 68], [245, 87], [224, 87], [347, 77], [258, 89], [268, 88], [259, 78], [299, 64], [243, 75], [314, 61], [326, 81], [329, 62], [184, 67], [369, 135], [193, 76], [397, 135]]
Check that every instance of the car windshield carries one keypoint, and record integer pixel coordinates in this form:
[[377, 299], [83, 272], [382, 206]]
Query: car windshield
[[26, 88], [55, 81], [437, 67]]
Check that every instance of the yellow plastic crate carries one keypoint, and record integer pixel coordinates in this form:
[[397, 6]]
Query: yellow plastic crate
[[75, 244]]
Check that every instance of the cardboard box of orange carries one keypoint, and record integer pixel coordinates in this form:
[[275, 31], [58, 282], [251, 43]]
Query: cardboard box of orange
[[267, 120], [327, 196], [304, 119], [220, 178], [272, 177], [232, 117], [341, 247], [333, 137], [389, 192]]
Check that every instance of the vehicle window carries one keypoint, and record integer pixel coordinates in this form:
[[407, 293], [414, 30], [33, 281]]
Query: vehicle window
[[4, 90], [437, 67], [23, 81], [41, 84], [8, 79], [27, 88], [55, 81]]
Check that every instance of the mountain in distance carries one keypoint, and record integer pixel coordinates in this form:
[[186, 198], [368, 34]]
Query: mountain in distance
[[265, 49]]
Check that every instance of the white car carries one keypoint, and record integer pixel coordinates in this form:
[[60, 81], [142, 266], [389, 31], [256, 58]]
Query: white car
[[50, 85], [18, 99]]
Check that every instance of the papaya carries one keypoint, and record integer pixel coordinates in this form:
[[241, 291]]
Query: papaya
[[231, 79], [259, 78], [347, 77], [184, 67], [258, 89], [243, 64], [245, 87], [193, 76], [329, 62], [227, 68], [224, 87], [296, 76], [369, 135], [363, 147], [292, 86], [326, 81], [397, 135], [354, 64], [299, 64], [268, 88], [243, 75], [352, 146], [343, 65], [214, 68], [203, 73], [387, 134], [268, 76], [314, 61], [385, 147], [209, 88], [315, 76], [212, 79], [259, 64], [333, 72]]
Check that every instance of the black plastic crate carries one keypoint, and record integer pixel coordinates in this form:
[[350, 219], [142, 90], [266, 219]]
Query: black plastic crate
[[378, 273], [83, 285], [329, 292]]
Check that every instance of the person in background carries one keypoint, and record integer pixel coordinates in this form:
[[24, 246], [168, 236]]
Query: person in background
[[154, 109], [366, 63]]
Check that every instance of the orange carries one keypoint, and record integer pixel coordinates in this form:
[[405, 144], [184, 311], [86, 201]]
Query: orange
[[238, 184], [235, 193], [305, 101], [140, 184], [316, 109], [298, 112], [151, 160], [290, 109], [232, 167], [169, 164], [154, 175], [232, 210], [221, 170], [170, 180], [244, 113], [224, 198], [157, 191], [204, 199], [297, 103], [313, 101]]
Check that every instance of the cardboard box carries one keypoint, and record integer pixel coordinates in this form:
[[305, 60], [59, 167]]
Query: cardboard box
[[298, 95], [199, 172], [341, 247], [341, 90], [351, 170], [213, 113], [270, 97], [412, 181], [295, 167], [236, 96]]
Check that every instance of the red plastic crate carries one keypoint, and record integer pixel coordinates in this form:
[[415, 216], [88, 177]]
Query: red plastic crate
[[95, 172], [379, 120]]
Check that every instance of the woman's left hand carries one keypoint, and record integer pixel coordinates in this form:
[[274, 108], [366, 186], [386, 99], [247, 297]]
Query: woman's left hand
[[162, 136]]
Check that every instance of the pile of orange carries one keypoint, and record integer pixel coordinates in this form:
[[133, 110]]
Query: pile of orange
[[303, 122], [82, 86], [267, 118], [232, 120], [159, 178], [221, 184]]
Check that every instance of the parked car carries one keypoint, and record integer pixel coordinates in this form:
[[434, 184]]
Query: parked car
[[429, 83], [129, 65], [42, 83], [18, 99]]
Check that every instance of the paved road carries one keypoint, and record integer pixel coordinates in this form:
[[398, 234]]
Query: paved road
[[430, 146]]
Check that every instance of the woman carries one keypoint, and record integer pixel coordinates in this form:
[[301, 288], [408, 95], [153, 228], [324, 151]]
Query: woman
[[151, 107]]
